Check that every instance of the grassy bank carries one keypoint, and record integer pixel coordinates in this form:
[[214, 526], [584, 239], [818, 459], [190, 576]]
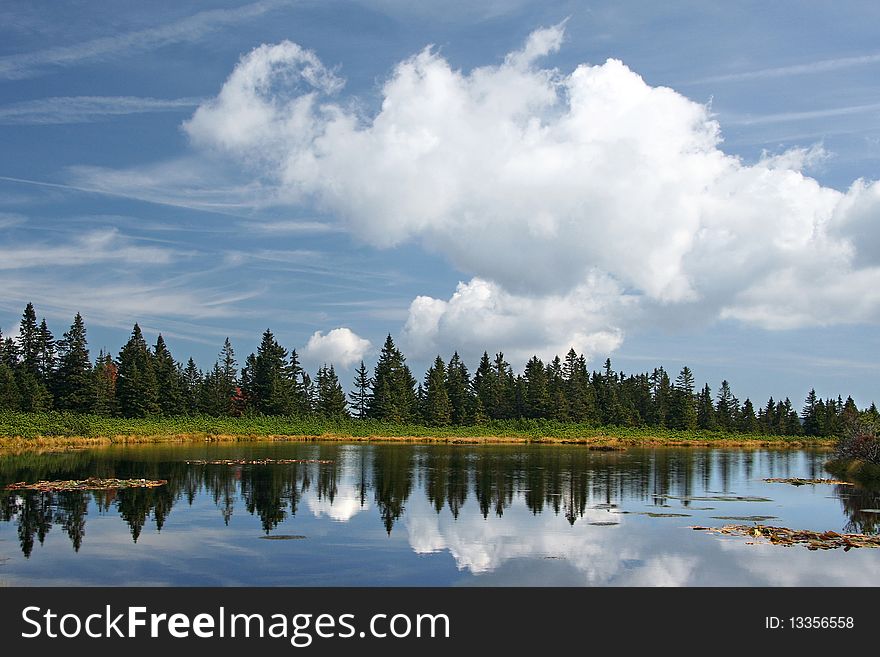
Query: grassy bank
[[862, 472], [22, 430]]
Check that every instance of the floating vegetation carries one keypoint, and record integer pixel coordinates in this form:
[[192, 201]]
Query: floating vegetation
[[604, 506], [92, 483], [745, 518], [722, 498], [607, 448], [604, 524], [654, 514], [283, 537], [787, 537], [258, 461], [797, 481]]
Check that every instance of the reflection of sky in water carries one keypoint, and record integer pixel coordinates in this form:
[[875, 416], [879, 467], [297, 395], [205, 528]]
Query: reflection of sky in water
[[555, 503]]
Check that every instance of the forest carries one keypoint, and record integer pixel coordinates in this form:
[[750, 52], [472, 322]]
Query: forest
[[39, 373]]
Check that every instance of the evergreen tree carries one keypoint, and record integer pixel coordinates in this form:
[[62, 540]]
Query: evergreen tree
[[706, 409], [230, 379], [809, 414], [74, 379], [104, 377], [331, 402], [360, 396], [46, 357], [458, 387], [484, 386], [29, 340], [748, 422], [537, 395], [725, 408], [137, 391], [661, 391], [272, 391], [192, 383], [393, 396], [437, 409], [169, 382], [682, 413], [302, 396], [10, 399]]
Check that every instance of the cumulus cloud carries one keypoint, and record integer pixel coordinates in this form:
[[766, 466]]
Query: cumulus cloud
[[341, 347], [586, 199]]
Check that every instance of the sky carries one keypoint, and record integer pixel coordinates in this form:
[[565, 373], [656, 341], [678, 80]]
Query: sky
[[681, 183]]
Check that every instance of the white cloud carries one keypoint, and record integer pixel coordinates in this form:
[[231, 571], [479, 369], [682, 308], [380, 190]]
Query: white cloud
[[578, 202], [481, 315], [341, 347]]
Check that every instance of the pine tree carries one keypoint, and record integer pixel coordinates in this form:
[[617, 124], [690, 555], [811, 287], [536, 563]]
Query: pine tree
[[458, 387], [271, 389], [137, 391], [10, 399], [46, 357], [393, 396], [229, 378], [169, 381], [537, 395], [437, 409], [104, 378], [29, 340], [809, 414], [331, 402], [682, 414], [484, 385], [748, 422], [74, 379], [360, 396], [705, 409], [725, 407], [192, 380]]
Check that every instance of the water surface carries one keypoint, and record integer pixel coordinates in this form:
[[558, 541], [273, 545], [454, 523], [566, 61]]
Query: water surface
[[401, 514]]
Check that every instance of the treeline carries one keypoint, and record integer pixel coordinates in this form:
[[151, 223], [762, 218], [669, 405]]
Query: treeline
[[39, 373]]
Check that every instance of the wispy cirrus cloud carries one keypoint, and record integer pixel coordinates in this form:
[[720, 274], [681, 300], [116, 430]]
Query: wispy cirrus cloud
[[86, 109], [785, 117], [807, 68], [97, 246], [191, 28]]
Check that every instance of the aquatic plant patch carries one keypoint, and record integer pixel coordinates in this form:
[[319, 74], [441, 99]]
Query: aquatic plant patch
[[797, 481], [784, 536], [92, 483]]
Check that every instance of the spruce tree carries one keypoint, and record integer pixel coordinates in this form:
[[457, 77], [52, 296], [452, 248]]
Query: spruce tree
[[104, 378], [192, 383], [137, 391], [437, 410], [169, 380], [705, 409], [46, 355], [537, 394], [10, 399], [29, 340], [458, 387], [725, 408], [809, 414], [393, 397], [331, 402], [682, 413], [748, 422], [360, 396], [74, 379]]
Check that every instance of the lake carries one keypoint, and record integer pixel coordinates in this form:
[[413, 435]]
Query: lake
[[374, 514]]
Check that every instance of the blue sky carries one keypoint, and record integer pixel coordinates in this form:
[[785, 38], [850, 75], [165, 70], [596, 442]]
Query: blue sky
[[217, 168]]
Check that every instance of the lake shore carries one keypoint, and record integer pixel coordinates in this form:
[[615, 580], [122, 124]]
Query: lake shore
[[604, 442]]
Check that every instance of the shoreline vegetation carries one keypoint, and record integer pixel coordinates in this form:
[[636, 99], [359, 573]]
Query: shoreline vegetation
[[52, 395], [57, 429]]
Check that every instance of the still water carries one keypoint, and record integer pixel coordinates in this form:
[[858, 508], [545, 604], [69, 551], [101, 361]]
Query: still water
[[427, 515]]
